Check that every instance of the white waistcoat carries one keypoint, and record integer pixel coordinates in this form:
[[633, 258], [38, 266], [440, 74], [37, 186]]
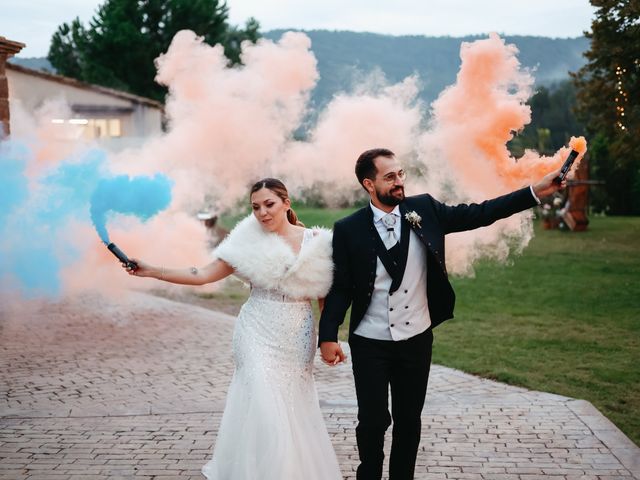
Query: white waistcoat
[[405, 313]]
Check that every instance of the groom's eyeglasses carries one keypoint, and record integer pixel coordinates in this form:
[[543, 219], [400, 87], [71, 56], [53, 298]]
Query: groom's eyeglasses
[[392, 177]]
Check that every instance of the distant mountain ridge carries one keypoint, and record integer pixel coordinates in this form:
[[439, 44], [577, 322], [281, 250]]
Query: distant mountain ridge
[[346, 58], [37, 63]]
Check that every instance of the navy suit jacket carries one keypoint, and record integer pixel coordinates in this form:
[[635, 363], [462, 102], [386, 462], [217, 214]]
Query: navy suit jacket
[[357, 246]]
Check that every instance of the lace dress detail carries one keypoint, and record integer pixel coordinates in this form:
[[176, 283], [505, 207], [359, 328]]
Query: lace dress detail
[[272, 427]]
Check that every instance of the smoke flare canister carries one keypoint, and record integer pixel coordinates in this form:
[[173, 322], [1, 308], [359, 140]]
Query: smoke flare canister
[[121, 256], [566, 166]]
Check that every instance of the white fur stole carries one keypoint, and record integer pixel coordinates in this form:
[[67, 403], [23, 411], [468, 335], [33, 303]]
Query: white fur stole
[[267, 261]]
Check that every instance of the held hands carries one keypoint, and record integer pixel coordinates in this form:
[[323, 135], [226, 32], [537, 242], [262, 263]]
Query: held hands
[[332, 353], [549, 185]]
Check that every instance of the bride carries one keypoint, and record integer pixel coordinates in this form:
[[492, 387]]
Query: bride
[[272, 426]]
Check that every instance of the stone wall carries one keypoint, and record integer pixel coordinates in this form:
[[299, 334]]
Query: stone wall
[[8, 48]]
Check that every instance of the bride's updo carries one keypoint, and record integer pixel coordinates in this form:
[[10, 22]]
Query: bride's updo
[[277, 187]]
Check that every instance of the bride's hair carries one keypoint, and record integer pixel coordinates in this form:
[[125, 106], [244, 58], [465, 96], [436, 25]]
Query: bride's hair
[[277, 187]]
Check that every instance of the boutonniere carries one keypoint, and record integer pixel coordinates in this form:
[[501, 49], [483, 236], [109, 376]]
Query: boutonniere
[[413, 218]]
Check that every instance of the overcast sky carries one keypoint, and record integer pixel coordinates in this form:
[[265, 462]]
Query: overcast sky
[[34, 21]]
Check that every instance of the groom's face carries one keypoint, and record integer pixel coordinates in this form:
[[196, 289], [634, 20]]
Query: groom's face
[[388, 185]]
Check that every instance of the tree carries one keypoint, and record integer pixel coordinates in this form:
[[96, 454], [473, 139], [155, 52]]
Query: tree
[[124, 37], [65, 43], [608, 102], [553, 121], [235, 37]]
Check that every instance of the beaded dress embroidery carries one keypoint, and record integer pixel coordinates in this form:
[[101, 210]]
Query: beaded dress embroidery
[[272, 427]]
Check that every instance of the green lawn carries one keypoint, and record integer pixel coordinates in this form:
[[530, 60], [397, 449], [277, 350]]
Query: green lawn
[[563, 317]]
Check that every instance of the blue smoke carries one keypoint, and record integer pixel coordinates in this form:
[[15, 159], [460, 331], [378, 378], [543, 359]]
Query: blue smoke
[[24, 255], [33, 221], [140, 196]]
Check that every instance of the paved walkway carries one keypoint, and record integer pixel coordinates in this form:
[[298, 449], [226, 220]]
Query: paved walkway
[[134, 388]]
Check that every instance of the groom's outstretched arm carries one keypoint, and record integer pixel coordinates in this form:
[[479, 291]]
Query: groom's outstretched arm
[[461, 217], [339, 298], [467, 217]]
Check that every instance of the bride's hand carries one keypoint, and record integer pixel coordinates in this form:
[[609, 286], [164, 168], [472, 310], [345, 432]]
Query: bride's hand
[[143, 270], [332, 353]]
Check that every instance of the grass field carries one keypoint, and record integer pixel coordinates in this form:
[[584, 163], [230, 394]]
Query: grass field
[[563, 317]]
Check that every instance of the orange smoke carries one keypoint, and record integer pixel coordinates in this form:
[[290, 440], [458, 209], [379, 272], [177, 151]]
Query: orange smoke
[[474, 120], [464, 154], [349, 125], [579, 144], [228, 127]]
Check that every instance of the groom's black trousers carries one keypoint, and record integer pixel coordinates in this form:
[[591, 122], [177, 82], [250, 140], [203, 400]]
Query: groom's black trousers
[[403, 365]]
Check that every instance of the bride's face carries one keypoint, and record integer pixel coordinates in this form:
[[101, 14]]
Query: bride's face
[[269, 209]]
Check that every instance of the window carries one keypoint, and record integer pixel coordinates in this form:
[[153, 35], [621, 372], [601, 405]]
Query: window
[[103, 128], [92, 128]]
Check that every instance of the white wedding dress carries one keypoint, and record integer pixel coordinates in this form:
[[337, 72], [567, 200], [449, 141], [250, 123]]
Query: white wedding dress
[[272, 427]]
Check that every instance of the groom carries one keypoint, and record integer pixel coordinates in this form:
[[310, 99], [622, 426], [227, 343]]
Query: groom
[[390, 267]]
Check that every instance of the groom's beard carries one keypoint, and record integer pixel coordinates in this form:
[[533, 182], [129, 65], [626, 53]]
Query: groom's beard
[[390, 199]]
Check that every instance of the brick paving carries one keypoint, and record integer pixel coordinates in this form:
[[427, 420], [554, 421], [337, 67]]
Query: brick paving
[[95, 388]]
